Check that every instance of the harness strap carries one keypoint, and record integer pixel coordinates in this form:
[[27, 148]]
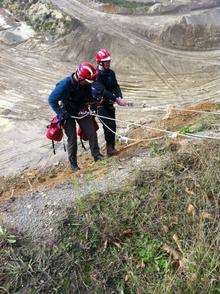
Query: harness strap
[[64, 147], [83, 146], [53, 146]]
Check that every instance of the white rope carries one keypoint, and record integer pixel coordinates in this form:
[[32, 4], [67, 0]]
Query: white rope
[[124, 139], [204, 137], [81, 117], [198, 111], [174, 108], [173, 134], [107, 126]]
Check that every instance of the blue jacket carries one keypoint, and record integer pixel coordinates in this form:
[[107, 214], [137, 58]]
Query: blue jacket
[[74, 96], [106, 86]]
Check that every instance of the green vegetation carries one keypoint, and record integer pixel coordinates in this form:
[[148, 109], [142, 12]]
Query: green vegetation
[[204, 123], [124, 3], [156, 148], [47, 20], [159, 235], [6, 238], [130, 7]]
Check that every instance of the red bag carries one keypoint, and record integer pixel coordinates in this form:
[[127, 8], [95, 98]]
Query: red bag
[[54, 131]]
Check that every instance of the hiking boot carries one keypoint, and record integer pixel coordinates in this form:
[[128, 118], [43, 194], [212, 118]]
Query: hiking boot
[[111, 151], [74, 166], [98, 157]]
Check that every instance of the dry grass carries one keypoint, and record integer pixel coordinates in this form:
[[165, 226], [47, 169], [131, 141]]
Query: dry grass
[[159, 235]]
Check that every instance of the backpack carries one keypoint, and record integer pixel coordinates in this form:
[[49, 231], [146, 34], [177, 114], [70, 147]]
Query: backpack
[[54, 132]]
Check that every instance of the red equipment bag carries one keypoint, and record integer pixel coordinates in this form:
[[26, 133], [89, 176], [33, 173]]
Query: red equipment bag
[[54, 132]]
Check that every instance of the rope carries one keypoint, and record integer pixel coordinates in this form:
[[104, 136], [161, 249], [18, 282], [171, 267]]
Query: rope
[[198, 111], [81, 117], [174, 108], [204, 137], [173, 134], [124, 139]]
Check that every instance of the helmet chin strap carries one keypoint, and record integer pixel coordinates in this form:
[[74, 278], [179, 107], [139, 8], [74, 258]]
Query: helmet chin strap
[[75, 77], [101, 66]]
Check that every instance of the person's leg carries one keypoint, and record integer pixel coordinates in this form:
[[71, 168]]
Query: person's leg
[[109, 127], [70, 131], [111, 112], [86, 124]]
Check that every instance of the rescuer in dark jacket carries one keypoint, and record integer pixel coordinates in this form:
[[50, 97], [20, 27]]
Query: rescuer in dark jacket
[[107, 90], [74, 93]]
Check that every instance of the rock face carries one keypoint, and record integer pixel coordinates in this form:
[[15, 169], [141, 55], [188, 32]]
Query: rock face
[[190, 25], [41, 16], [16, 35], [195, 31], [12, 31], [151, 7], [155, 9], [124, 7]]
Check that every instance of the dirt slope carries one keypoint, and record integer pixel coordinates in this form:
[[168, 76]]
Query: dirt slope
[[151, 76], [44, 199]]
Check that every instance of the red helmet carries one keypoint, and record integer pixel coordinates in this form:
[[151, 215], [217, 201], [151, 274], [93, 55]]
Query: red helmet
[[86, 72], [103, 55]]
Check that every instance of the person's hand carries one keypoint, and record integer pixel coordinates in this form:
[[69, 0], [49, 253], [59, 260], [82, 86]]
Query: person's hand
[[63, 117], [120, 101]]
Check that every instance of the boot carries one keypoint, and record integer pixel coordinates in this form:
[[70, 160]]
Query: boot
[[111, 151], [74, 166], [98, 157]]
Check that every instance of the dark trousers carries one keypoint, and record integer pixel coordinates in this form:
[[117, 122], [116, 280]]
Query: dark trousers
[[87, 126], [108, 111]]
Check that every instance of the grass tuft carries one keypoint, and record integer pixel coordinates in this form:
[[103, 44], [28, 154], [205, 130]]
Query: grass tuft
[[204, 123]]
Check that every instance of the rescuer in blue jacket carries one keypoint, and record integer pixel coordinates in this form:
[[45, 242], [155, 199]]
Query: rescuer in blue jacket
[[74, 93]]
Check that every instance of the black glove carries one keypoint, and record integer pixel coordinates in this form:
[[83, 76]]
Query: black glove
[[63, 117]]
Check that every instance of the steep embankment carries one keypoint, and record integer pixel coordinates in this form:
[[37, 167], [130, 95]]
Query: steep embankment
[[158, 231], [46, 196], [186, 25]]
